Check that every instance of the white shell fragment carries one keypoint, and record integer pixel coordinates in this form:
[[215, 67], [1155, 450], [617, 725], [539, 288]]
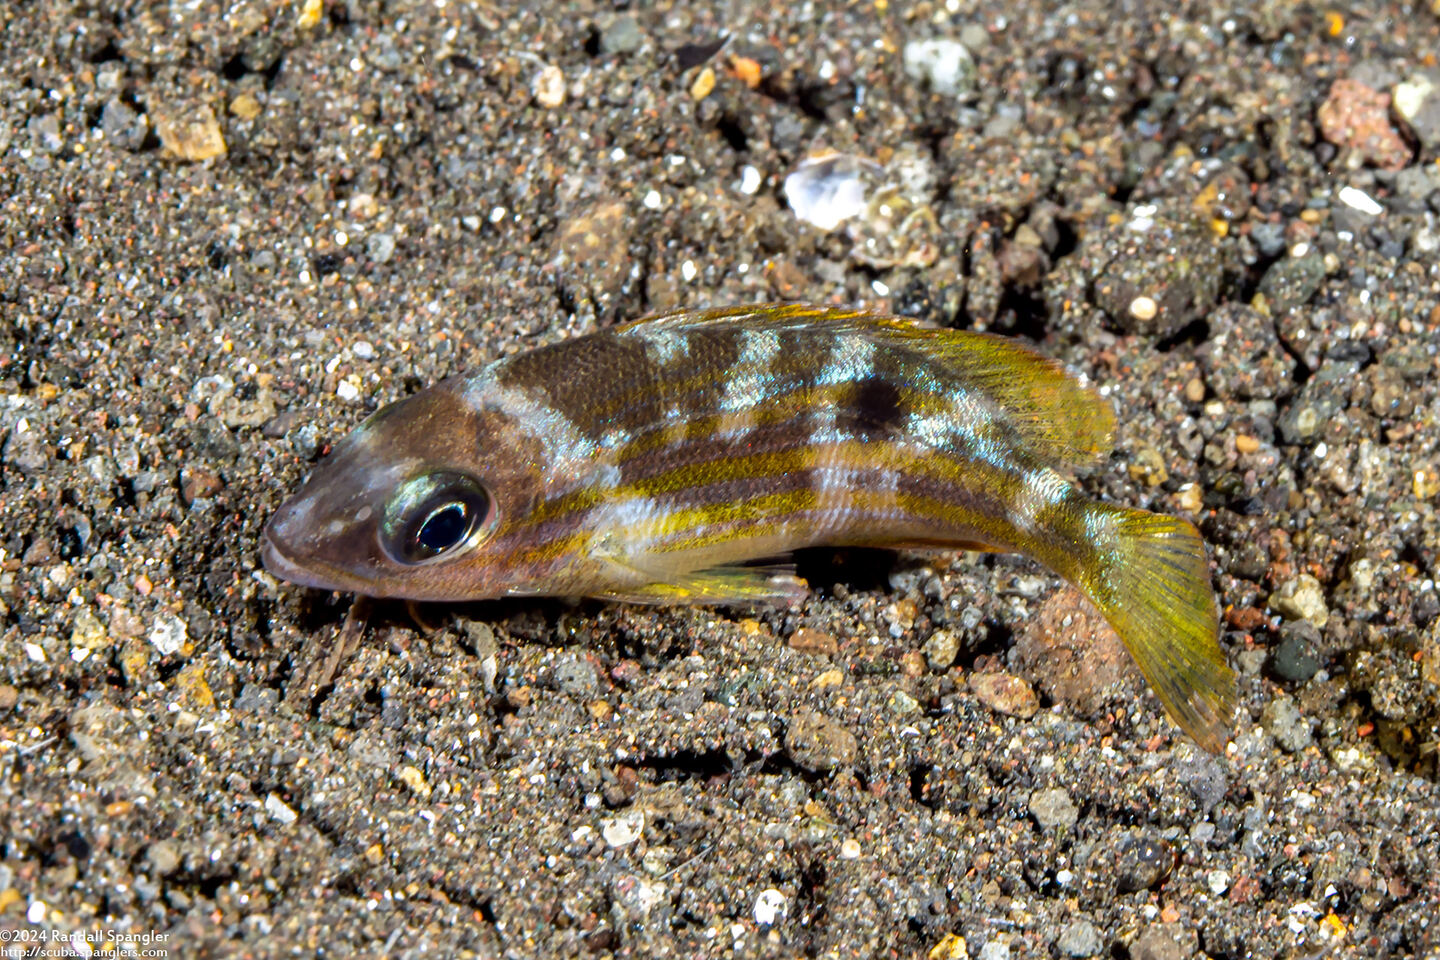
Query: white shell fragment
[[943, 65], [826, 191], [623, 830], [1360, 200], [769, 906]]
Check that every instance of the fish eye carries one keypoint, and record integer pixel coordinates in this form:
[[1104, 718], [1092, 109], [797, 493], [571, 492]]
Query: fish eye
[[435, 515]]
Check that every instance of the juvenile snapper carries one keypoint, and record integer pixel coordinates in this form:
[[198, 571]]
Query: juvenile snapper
[[650, 462]]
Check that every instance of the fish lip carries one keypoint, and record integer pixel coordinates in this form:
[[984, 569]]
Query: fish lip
[[281, 565]]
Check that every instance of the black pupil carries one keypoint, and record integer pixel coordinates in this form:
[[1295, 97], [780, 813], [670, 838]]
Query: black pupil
[[444, 528]]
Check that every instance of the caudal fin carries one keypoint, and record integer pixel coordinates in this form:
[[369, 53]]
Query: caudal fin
[[1153, 585]]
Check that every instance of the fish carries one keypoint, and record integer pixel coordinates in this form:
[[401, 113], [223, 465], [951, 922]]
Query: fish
[[681, 458]]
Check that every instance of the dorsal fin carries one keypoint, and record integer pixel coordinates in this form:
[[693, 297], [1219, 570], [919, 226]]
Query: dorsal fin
[[1061, 419]]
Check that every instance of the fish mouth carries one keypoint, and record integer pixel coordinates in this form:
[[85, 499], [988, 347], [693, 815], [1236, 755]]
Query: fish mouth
[[281, 565]]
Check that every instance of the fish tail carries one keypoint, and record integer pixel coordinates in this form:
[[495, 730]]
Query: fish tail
[[1150, 578]]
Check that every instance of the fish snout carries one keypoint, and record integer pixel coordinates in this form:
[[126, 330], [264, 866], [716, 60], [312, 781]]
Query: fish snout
[[280, 547]]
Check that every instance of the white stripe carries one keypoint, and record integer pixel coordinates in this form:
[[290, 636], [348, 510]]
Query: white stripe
[[1042, 489], [930, 430], [662, 346], [852, 361], [758, 349], [570, 456], [824, 426]]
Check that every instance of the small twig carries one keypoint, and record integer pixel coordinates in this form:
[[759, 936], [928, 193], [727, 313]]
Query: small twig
[[681, 866], [35, 747]]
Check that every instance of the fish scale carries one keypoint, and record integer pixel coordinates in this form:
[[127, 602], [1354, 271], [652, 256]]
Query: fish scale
[[656, 462]]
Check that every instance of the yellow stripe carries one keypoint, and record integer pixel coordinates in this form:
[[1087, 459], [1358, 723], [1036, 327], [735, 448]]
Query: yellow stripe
[[732, 520], [853, 455], [775, 507]]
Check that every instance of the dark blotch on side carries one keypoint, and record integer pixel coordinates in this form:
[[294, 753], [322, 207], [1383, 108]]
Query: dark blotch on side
[[877, 408]]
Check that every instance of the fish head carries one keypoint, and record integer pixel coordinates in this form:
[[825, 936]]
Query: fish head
[[407, 504]]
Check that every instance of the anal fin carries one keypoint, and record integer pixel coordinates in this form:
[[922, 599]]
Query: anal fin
[[725, 584]]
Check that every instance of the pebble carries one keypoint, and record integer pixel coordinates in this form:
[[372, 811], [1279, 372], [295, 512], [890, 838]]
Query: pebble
[[415, 780], [1053, 809], [636, 896], [974, 36], [592, 247], [198, 483], [819, 744], [704, 84], [168, 635], [1284, 721], [1360, 200], [279, 810], [826, 191], [45, 133], [1301, 599], [1142, 860], [1080, 938], [814, 642], [1190, 498], [1007, 694], [548, 87], [1144, 308], [951, 947], [25, 451], [1356, 119], [255, 698], [162, 857], [1156, 943], [1296, 657], [1218, 881], [380, 247], [188, 131], [1291, 281], [943, 66], [941, 649], [994, 950], [622, 36], [245, 107], [1153, 282], [1204, 776], [1269, 238], [123, 126], [770, 906], [625, 829], [901, 703], [1148, 466], [850, 849], [1417, 102], [87, 632], [575, 676]]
